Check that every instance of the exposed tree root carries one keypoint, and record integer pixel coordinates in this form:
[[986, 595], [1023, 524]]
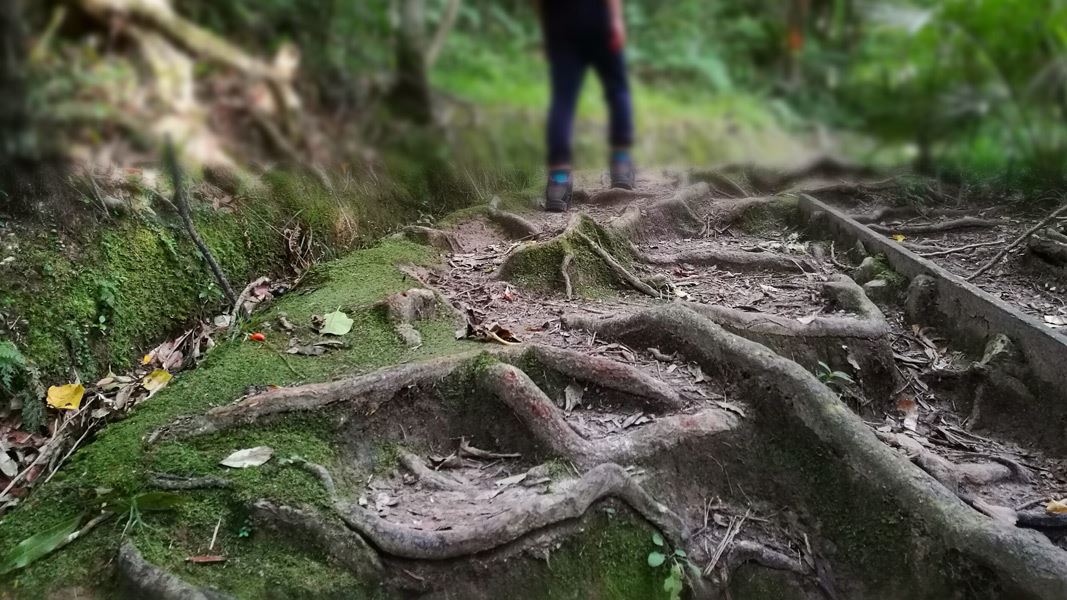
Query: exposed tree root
[[1050, 246], [141, 579], [951, 225], [610, 196], [1019, 240], [515, 521], [547, 423], [732, 260], [608, 374], [1025, 563], [362, 393], [771, 180], [512, 224], [435, 238], [744, 551], [720, 183], [403, 309], [305, 528]]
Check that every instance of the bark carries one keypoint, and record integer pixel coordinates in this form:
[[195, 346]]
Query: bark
[[411, 97]]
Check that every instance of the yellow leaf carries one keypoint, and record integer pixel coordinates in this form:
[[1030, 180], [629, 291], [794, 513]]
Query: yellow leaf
[[66, 397], [155, 381], [147, 359], [898, 237], [1056, 506]]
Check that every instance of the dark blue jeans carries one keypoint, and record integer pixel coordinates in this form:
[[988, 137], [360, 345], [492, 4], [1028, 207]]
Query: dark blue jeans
[[578, 37]]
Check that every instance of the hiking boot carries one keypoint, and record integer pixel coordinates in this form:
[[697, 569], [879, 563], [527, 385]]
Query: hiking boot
[[623, 174], [558, 195]]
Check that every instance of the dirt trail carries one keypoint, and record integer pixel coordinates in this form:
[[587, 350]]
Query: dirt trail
[[689, 363]]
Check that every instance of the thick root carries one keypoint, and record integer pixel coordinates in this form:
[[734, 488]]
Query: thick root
[[908, 212], [610, 196], [608, 374], [514, 521], [547, 423], [307, 529], [142, 579], [1050, 246], [427, 476], [512, 224], [1025, 563]]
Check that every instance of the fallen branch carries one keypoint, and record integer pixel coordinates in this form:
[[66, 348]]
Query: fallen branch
[[1019, 240], [952, 225], [961, 249]]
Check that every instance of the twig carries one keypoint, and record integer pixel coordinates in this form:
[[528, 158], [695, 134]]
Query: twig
[[961, 249], [1022, 238], [181, 201], [837, 263], [214, 536], [566, 276], [731, 533]]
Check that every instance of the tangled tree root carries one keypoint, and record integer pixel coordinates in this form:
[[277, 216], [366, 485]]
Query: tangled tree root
[[732, 260], [609, 197], [858, 342], [908, 212], [546, 422], [513, 520], [1050, 246], [767, 181], [366, 393], [1024, 564], [142, 579]]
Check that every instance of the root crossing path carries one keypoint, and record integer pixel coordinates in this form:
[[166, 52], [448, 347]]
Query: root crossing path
[[680, 362]]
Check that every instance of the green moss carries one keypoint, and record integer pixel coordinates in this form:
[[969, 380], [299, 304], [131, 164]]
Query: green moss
[[117, 459], [884, 271], [538, 265]]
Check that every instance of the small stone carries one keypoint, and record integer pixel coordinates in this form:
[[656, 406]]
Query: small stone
[[867, 270], [879, 291]]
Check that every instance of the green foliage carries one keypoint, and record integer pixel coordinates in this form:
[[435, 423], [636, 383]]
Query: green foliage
[[20, 380], [38, 546], [677, 564], [831, 377]]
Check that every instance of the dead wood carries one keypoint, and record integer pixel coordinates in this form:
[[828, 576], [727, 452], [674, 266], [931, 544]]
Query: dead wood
[[307, 529], [441, 240], [732, 260], [1024, 560], [950, 225], [547, 423], [427, 476], [142, 579], [512, 224], [608, 374], [164, 481], [908, 212], [932, 252], [1019, 240], [564, 272], [514, 521]]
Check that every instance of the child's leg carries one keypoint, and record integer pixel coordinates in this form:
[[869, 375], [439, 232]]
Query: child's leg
[[567, 69]]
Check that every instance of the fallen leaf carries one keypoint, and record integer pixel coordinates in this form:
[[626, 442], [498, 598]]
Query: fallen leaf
[[66, 397], [898, 237], [155, 381], [307, 350], [336, 323], [1057, 507], [8, 467], [1056, 320], [38, 546], [508, 481], [249, 457]]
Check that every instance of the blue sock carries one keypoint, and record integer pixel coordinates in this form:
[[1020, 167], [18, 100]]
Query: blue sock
[[620, 156], [559, 175]]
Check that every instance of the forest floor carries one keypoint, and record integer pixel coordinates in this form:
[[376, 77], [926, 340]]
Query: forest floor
[[683, 389]]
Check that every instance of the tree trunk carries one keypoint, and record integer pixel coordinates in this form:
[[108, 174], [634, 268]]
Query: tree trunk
[[14, 126], [411, 97]]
